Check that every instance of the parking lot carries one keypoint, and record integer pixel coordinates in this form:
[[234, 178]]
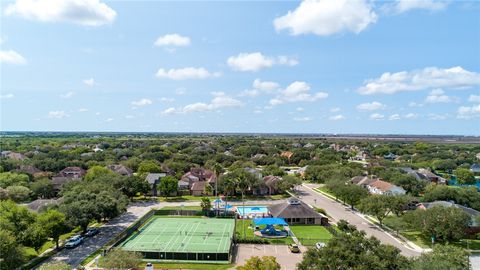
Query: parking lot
[[285, 258]]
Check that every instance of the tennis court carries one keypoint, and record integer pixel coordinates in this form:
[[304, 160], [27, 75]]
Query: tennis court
[[203, 239]]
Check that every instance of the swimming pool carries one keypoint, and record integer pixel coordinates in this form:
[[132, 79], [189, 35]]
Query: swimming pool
[[252, 210]]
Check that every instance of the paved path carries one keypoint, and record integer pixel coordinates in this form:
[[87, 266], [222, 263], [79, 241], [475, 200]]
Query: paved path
[[285, 258], [339, 211]]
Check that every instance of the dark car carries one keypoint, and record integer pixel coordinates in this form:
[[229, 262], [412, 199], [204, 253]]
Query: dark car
[[91, 232]]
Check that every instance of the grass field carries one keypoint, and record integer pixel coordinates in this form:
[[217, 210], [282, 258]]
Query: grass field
[[308, 235], [182, 235]]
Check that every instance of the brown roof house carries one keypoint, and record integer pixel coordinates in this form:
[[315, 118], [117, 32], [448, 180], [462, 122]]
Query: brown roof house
[[120, 169], [154, 180], [12, 155], [269, 186], [295, 211], [198, 179], [67, 175], [198, 188]]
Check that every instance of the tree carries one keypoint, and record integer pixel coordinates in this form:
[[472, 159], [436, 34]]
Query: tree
[[465, 176], [263, 263], [54, 224], [354, 194], [18, 193], [443, 257], [376, 205], [168, 186], [398, 204], [206, 204], [43, 188], [55, 266], [121, 259], [442, 223], [288, 182], [97, 172], [344, 226], [11, 253], [35, 236], [149, 166], [353, 251], [273, 170], [13, 179]]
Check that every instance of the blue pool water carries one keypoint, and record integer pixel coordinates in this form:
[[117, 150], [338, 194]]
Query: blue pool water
[[248, 210]]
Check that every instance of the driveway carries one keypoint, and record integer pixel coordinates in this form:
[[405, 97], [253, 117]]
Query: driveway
[[339, 211], [285, 258]]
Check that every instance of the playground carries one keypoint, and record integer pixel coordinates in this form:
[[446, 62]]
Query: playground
[[167, 238]]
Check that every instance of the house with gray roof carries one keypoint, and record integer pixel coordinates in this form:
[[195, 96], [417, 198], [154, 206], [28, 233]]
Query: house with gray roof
[[295, 211], [154, 180]]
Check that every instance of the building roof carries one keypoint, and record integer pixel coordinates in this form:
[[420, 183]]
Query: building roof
[[28, 169], [357, 179], [38, 204], [120, 169], [382, 185], [153, 177], [471, 212], [269, 221], [271, 180], [198, 186], [293, 208]]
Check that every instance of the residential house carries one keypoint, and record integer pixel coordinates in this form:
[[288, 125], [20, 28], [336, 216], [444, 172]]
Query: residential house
[[295, 211], [28, 169], [287, 154], [390, 156], [308, 145], [475, 168], [67, 175], [120, 169], [198, 188], [269, 185], [258, 156], [257, 173], [12, 155], [474, 226], [363, 181], [40, 204], [430, 176], [195, 175], [384, 188], [154, 180]]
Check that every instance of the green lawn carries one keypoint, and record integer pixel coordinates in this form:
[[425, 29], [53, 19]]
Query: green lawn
[[192, 266], [308, 235], [247, 224]]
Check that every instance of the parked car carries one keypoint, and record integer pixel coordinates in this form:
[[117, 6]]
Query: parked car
[[294, 248], [91, 232], [74, 241], [149, 266], [320, 245]]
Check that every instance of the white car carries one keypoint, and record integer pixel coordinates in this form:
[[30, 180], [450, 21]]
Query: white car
[[320, 245], [74, 241]]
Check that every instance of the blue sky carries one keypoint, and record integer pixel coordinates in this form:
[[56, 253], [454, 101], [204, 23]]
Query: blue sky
[[399, 67]]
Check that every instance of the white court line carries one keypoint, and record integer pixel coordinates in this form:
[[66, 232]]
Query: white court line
[[179, 229], [191, 235], [145, 231]]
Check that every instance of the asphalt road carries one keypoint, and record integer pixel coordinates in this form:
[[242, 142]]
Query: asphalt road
[[339, 211]]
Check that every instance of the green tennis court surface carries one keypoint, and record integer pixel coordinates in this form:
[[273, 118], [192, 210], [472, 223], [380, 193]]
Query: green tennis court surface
[[197, 235]]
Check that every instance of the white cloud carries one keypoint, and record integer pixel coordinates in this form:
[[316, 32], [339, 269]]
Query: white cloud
[[336, 109], [414, 104], [82, 110], [465, 112], [297, 92], [265, 85], [12, 57], [257, 111], [180, 91], [109, 120], [7, 96], [376, 116], [337, 117], [250, 93], [67, 95], [474, 98], [129, 116], [427, 78], [89, 82], [394, 117], [438, 96], [165, 99], [372, 106], [434, 116], [300, 109], [411, 116], [326, 17], [406, 5], [220, 100], [257, 61], [186, 73], [302, 119], [82, 12], [58, 114], [172, 40], [141, 102]]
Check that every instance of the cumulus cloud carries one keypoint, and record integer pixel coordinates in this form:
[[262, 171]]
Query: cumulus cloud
[[67, 95], [302, 119], [406, 5], [434, 116], [376, 116], [438, 96], [256, 61], [411, 116], [188, 73], [265, 85], [89, 82], [82, 110], [165, 99], [58, 114], [172, 40], [415, 104], [427, 78], [7, 96], [465, 112], [336, 109], [394, 117], [220, 100], [297, 92], [474, 98], [371, 106], [82, 12], [326, 17], [141, 102], [12, 57], [337, 117]]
